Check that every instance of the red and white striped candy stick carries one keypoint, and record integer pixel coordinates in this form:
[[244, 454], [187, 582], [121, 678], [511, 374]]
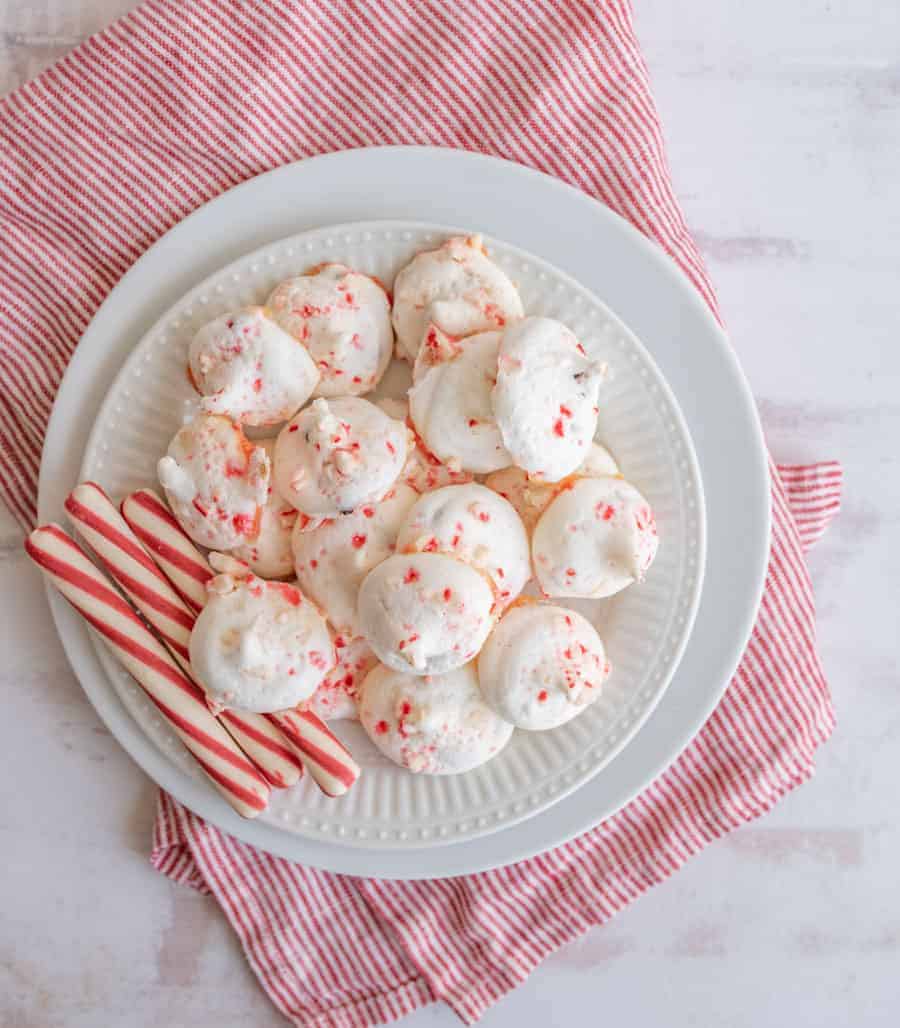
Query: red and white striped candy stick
[[179, 560], [104, 529], [178, 699], [327, 760]]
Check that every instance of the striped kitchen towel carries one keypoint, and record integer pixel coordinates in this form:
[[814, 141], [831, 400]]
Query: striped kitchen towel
[[179, 101]]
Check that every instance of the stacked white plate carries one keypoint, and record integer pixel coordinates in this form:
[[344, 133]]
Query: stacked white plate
[[127, 391]]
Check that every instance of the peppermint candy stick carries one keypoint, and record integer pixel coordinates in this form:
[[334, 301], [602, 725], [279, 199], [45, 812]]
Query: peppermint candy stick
[[179, 560], [328, 761], [131, 567], [324, 756], [178, 699]]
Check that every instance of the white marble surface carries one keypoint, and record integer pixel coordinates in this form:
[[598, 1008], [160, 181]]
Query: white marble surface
[[783, 121]]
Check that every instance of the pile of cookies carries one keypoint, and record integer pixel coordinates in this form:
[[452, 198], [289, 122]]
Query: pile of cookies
[[373, 555]]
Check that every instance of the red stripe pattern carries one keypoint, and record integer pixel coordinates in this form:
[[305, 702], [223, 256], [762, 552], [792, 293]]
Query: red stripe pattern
[[132, 568], [180, 701], [814, 494], [328, 761], [177, 102], [179, 560]]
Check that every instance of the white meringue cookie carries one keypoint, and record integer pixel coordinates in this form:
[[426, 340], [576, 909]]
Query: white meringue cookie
[[594, 539], [336, 455], [456, 287], [216, 482], [530, 497], [337, 696], [475, 525], [436, 725], [541, 666], [425, 613], [269, 554], [545, 399], [423, 471], [259, 646], [450, 401], [332, 560], [344, 319], [249, 369]]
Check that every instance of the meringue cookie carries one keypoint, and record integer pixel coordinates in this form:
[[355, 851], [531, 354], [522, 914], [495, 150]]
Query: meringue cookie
[[425, 613], [249, 369], [344, 320], [530, 497], [337, 696], [541, 666], [594, 539], [269, 554], [216, 482], [336, 455], [259, 646], [475, 525], [332, 560], [422, 471], [437, 725], [450, 401], [456, 287], [545, 399]]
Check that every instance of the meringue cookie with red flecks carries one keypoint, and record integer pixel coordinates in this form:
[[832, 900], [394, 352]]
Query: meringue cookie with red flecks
[[337, 455], [530, 496], [259, 646], [269, 554], [337, 696], [343, 318], [545, 399], [332, 560], [541, 666], [249, 369], [423, 471], [450, 401], [425, 613], [475, 525], [216, 482], [436, 725], [456, 287], [594, 539]]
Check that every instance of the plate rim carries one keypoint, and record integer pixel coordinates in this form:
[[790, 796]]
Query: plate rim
[[261, 255], [450, 859]]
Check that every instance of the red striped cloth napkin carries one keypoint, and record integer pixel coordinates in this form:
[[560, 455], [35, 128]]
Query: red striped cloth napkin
[[175, 103]]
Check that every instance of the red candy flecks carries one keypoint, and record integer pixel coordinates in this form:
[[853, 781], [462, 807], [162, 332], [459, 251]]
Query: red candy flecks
[[317, 660]]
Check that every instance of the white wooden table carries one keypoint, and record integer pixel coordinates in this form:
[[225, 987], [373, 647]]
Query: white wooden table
[[783, 122]]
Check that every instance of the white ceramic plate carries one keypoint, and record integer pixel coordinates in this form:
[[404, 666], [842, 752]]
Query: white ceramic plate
[[577, 235], [644, 628]]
